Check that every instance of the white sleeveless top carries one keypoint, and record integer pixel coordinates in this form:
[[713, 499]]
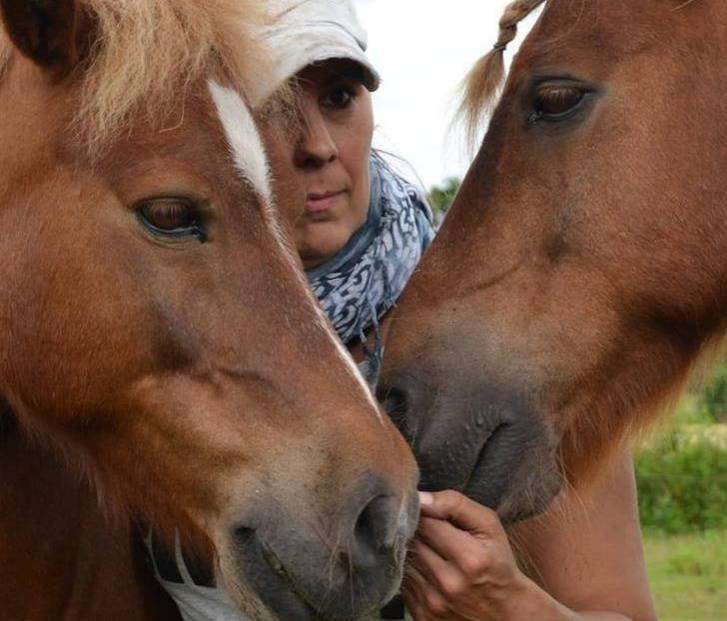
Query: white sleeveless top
[[196, 602]]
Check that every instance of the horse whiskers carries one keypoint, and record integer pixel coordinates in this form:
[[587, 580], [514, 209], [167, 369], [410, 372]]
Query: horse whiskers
[[333, 558], [334, 550], [351, 574]]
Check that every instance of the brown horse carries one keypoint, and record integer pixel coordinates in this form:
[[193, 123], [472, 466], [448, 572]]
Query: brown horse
[[582, 270], [158, 337]]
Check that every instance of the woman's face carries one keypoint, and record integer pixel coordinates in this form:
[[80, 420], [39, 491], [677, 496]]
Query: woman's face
[[321, 168]]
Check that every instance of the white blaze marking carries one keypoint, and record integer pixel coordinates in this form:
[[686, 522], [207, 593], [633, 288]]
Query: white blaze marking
[[244, 139], [252, 162]]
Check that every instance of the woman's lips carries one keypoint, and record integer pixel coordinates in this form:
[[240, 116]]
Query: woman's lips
[[318, 202]]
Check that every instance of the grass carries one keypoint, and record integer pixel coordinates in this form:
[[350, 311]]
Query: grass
[[682, 474], [688, 575]]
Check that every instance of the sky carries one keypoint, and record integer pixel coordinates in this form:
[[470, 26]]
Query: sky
[[423, 49]]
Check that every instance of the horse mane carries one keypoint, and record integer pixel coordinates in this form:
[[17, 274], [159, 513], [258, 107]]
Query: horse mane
[[144, 54], [590, 440], [484, 81]]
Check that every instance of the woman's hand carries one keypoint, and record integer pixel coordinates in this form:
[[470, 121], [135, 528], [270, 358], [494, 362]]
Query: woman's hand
[[461, 566]]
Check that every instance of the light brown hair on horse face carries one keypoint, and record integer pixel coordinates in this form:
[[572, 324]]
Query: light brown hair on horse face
[[581, 270], [155, 325]]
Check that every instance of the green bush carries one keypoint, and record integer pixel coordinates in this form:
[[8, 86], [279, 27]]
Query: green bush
[[682, 482], [714, 395]]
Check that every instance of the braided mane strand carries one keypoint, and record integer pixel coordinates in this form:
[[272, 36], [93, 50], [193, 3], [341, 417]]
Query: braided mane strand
[[483, 82]]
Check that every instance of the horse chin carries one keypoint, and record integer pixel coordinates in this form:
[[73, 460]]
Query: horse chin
[[245, 598], [517, 484], [279, 567], [529, 494], [517, 471], [264, 589], [278, 601], [261, 586]]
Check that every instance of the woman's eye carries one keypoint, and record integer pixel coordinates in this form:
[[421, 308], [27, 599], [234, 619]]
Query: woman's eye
[[171, 216], [338, 98], [556, 101]]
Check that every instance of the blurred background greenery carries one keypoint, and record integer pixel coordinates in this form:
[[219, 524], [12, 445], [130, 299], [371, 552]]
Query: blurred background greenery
[[681, 473], [440, 197]]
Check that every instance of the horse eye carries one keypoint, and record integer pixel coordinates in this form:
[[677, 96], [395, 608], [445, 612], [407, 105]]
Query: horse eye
[[175, 217], [556, 101]]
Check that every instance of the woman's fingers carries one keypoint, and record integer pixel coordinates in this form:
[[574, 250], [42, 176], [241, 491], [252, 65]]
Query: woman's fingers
[[468, 515], [476, 558], [449, 541], [423, 600], [474, 570], [449, 581]]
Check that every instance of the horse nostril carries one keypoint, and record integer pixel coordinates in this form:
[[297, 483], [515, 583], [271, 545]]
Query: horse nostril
[[243, 535], [375, 531]]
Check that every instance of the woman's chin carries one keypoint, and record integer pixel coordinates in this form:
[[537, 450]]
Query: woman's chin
[[321, 245]]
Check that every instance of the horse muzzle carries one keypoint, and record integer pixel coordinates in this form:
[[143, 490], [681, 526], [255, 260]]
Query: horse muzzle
[[346, 566], [475, 436]]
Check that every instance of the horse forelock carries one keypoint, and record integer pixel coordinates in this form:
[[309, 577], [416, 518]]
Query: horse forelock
[[145, 54]]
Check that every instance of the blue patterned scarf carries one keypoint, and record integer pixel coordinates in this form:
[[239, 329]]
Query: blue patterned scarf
[[362, 282]]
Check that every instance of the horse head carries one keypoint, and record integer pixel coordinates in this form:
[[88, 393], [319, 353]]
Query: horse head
[[581, 270], [156, 327]]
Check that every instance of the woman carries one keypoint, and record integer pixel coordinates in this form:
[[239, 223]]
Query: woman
[[360, 231]]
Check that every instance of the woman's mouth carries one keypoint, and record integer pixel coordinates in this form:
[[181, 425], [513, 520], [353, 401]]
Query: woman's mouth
[[319, 202]]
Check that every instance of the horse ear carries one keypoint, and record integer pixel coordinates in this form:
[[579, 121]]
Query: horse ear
[[53, 33]]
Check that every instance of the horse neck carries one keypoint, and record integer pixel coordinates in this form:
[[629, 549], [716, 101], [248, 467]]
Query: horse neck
[[52, 533]]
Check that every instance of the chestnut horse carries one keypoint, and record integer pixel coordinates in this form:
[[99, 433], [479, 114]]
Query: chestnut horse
[[582, 270], [159, 340]]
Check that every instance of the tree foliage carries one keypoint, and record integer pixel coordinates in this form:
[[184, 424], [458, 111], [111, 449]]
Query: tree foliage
[[442, 196]]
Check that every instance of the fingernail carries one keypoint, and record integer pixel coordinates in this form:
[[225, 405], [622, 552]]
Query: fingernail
[[426, 499]]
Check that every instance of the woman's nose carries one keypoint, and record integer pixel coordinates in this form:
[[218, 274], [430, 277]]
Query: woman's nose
[[316, 146]]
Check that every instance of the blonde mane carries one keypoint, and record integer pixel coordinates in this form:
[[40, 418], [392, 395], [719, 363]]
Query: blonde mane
[[482, 85], [145, 53]]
